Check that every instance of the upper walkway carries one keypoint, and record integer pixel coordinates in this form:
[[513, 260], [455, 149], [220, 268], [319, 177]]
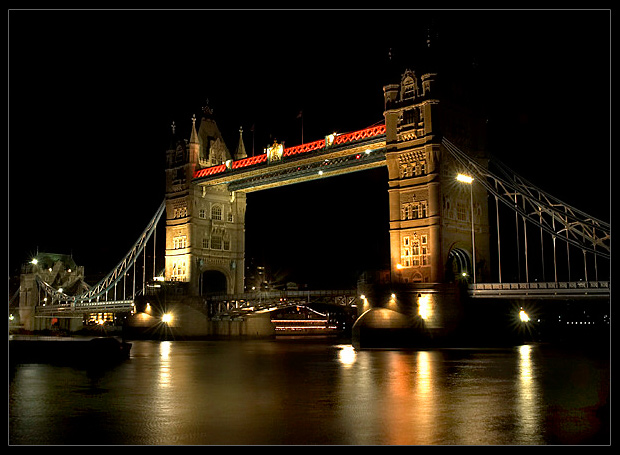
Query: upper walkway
[[561, 290], [336, 154]]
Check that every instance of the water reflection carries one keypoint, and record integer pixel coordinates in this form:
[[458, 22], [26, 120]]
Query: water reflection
[[266, 392], [528, 399], [164, 366], [346, 355]]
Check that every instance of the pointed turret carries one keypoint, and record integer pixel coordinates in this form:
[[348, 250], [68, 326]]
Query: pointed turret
[[194, 145], [240, 153]]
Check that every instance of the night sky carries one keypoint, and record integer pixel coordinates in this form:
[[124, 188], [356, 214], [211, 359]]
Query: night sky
[[92, 95]]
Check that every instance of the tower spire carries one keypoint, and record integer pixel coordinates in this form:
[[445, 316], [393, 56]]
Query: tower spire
[[240, 153], [194, 137]]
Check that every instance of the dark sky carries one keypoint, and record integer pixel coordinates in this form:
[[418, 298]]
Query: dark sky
[[92, 95]]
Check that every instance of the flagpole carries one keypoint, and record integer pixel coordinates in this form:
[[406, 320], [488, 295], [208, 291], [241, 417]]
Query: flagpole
[[253, 139]]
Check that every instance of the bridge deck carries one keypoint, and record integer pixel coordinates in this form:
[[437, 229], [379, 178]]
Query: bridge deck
[[542, 290], [112, 306], [348, 152]]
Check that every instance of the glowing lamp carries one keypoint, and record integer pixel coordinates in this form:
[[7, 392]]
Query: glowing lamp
[[424, 306], [464, 178], [166, 318]]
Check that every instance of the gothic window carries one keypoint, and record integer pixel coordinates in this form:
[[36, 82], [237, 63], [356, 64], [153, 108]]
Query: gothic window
[[408, 87], [415, 207], [230, 217], [461, 213], [205, 242], [408, 117], [227, 244], [216, 242], [202, 213], [216, 212], [179, 242], [179, 270], [422, 167], [423, 209], [424, 250]]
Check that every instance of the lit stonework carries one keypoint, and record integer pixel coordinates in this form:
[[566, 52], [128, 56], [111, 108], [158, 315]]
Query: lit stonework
[[204, 223], [430, 224]]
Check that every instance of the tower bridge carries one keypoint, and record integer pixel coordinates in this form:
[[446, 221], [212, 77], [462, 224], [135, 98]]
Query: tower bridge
[[440, 227]]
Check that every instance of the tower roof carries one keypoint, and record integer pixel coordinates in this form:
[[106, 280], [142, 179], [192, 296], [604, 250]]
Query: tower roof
[[240, 153], [209, 135], [194, 137]]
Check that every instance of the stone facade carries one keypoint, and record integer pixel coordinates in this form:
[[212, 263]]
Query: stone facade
[[60, 272], [204, 223], [430, 211]]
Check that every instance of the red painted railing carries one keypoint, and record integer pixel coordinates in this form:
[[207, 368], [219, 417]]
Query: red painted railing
[[296, 150]]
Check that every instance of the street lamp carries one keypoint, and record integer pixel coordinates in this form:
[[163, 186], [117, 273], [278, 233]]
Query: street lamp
[[470, 180]]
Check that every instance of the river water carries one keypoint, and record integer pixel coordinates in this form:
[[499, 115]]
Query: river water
[[291, 391]]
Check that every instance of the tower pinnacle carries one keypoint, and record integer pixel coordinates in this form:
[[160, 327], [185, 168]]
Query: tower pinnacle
[[240, 153]]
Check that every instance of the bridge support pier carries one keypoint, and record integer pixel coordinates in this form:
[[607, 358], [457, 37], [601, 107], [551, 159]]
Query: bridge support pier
[[407, 315]]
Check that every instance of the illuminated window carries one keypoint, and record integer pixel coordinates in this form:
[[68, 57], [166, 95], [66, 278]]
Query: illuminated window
[[415, 208], [179, 242], [422, 167], [216, 212], [414, 251], [100, 318], [423, 209], [179, 270]]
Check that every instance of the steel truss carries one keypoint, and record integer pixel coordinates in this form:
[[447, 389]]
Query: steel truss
[[538, 207], [111, 279], [562, 221]]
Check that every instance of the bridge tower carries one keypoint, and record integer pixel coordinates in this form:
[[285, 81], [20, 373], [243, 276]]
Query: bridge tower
[[430, 212], [205, 225]]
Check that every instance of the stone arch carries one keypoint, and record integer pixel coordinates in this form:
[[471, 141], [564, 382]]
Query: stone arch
[[459, 262], [214, 281]]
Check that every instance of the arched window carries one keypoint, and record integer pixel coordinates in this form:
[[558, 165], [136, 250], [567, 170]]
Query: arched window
[[216, 212]]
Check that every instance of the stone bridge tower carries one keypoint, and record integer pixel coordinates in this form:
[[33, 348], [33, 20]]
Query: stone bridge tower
[[205, 237], [430, 224]]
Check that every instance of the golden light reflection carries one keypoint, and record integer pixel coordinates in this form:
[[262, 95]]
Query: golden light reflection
[[164, 369], [346, 355], [528, 401], [424, 379], [164, 349]]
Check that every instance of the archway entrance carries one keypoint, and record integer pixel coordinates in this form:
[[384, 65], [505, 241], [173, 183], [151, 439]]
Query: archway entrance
[[213, 282], [458, 265]]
